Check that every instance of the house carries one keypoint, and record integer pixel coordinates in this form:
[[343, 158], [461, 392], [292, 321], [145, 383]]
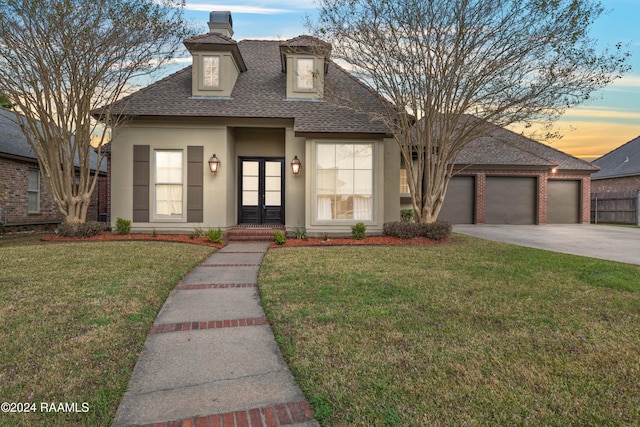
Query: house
[[619, 169], [28, 202], [248, 135]]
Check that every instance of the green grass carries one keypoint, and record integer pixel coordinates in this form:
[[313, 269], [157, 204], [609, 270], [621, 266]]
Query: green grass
[[469, 333], [74, 317]]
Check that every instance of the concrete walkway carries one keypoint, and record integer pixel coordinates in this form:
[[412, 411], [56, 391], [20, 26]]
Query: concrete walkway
[[620, 244], [210, 358]]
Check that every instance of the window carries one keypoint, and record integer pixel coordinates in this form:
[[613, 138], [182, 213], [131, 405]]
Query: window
[[168, 187], [211, 71], [344, 184], [304, 73], [404, 184], [33, 191]]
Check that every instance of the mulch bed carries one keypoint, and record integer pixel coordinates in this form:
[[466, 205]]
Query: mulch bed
[[185, 238], [111, 237]]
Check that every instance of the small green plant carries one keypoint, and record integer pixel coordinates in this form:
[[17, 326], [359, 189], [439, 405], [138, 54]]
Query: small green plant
[[406, 215], [279, 237], [123, 226], [154, 233], [199, 232], [214, 235], [301, 234], [325, 237], [358, 231]]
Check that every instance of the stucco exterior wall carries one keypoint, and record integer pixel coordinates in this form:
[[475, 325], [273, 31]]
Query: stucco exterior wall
[[213, 138]]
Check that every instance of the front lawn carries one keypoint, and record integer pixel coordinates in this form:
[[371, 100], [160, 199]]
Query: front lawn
[[73, 319], [469, 333]]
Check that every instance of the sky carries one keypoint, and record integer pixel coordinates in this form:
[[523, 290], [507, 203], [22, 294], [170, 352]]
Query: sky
[[610, 119]]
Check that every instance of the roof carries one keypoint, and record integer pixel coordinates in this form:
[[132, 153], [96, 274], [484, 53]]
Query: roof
[[623, 161], [503, 147], [12, 140], [14, 144], [259, 92]]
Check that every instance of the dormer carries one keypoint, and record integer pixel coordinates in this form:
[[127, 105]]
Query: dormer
[[306, 61], [217, 61]]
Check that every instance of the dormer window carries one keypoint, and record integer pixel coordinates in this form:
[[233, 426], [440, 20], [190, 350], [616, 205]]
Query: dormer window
[[211, 71], [304, 74]]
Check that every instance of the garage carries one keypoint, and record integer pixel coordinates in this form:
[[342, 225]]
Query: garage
[[511, 200], [459, 201], [563, 201]]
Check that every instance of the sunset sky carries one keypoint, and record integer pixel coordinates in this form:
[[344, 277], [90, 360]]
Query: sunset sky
[[609, 120]]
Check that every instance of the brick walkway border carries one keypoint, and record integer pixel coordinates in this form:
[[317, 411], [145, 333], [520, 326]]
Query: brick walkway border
[[268, 416], [213, 324], [216, 286]]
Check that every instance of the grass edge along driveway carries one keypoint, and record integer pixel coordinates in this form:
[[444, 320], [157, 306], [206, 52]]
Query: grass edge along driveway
[[73, 319], [470, 333]]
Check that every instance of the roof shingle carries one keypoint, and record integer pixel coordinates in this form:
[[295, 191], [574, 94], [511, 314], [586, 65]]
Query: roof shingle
[[623, 161]]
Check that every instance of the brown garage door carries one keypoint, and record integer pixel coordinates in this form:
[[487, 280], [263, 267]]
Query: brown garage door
[[510, 200], [459, 201], [563, 202]]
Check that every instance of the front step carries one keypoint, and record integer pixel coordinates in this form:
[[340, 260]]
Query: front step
[[253, 233]]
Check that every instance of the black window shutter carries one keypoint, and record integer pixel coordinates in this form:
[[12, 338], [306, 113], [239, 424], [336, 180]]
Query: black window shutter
[[195, 179], [141, 175]]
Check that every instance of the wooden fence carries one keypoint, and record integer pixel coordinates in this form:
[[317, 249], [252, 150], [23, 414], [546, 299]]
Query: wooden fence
[[616, 208]]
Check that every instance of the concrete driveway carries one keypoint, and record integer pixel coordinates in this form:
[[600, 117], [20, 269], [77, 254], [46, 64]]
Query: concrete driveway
[[597, 241]]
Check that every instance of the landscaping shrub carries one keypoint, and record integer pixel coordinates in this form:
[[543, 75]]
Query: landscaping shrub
[[87, 229], [214, 235], [402, 230], [437, 230], [406, 215], [408, 230], [279, 237], [123, 226], [358, 231]]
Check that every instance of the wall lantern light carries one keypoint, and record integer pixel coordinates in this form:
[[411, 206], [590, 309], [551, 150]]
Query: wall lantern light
[[296, 165], [214, 164], [554, 169]]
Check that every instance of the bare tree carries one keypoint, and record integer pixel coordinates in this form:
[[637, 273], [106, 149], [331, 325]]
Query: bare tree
[[60, 59], [449, 70]]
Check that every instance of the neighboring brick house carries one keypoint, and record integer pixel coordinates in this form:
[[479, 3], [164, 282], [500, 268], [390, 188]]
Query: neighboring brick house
[[257, 108], [28, 202], [619, 170]]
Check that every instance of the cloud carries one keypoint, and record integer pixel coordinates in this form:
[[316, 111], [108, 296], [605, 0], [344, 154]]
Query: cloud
[[626, 83], [285, 6], [602, 113]]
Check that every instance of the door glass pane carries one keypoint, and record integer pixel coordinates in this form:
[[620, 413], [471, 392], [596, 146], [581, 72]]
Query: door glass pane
[[250, 168], [250, 183], [273, 169], [272, 198], [272, 184], [250, 198]]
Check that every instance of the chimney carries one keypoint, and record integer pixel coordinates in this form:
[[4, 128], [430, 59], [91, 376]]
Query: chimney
[[221, 23]]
